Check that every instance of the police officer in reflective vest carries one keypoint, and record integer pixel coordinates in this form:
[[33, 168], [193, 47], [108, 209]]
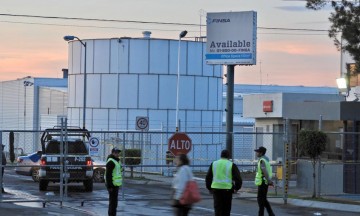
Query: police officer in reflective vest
[[263, 180], [222, 180], [113, 179]]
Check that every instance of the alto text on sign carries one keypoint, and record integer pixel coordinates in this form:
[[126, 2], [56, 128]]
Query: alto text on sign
[[179, 143]]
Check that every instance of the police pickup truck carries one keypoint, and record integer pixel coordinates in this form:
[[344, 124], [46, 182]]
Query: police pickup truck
[[65, 158]]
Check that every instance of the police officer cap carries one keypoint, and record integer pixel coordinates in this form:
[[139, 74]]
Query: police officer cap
[[261, 149], [115, 149]]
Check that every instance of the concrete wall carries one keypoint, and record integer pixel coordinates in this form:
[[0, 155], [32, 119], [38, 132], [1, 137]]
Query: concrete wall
[[267, 139], [308, 110], [253, 105], [331, 177], [294, 106]]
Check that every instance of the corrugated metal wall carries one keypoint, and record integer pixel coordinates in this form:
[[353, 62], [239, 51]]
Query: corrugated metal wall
[[53, 101], [22, 101], [13, 103]]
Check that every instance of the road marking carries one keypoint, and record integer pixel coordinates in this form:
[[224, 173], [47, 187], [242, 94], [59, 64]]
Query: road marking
[[212, 210], [22, 177]]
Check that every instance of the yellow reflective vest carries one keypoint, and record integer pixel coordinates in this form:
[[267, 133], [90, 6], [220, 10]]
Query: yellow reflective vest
[[116, 173], [259, 174], [222, 174]]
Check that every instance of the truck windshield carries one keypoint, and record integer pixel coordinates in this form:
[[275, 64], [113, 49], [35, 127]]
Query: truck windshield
[[74, 147]]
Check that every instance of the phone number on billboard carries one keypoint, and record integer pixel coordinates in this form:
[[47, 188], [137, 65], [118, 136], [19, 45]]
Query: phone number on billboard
[[232, 50]]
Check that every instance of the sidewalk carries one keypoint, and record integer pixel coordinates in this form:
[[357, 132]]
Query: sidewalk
[[330, 203]]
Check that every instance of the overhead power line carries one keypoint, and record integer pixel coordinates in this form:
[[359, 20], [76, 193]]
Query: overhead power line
[[294, 29], [143, 22], [99, 20], [83, 26], [155, 29]]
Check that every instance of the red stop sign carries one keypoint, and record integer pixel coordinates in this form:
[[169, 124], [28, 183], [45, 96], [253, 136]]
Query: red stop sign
[[179, 143]]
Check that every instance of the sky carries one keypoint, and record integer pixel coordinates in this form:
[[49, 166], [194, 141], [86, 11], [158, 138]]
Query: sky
[[35, 46]]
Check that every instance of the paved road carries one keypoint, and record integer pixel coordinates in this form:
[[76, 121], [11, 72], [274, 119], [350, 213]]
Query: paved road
[[143, 198]]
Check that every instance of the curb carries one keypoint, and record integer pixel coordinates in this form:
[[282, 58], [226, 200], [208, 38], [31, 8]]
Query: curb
[[325, 205], [305, 203]]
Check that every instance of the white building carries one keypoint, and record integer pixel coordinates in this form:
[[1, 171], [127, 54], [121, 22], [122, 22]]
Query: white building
[[26, 103], [130, 77]]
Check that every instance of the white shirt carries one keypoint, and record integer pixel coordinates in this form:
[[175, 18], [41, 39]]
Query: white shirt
[[182, 176]]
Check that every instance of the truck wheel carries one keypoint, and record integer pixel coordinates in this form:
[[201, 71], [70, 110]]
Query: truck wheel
[[88, 184], [35, 174], [99, 175], [43, 184]]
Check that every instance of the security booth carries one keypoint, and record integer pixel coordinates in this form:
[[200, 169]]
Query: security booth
[[328, 112], [302, 110]]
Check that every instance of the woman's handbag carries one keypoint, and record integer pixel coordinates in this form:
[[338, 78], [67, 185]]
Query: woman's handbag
[[191, 193]]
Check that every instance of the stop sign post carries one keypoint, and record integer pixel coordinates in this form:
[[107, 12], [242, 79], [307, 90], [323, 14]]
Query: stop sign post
[[179, 143]]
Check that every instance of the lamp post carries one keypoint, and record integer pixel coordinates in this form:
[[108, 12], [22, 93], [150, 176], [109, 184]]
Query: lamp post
[[181, 35], [26, 83], [71, 38]]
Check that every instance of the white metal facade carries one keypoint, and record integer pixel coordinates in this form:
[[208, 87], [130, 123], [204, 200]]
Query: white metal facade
[[17, 105], [53, 106], [23, 102], [131, 77]]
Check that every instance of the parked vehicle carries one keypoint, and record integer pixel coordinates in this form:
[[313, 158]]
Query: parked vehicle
[[77, 165], [32, 163], [29, 165]]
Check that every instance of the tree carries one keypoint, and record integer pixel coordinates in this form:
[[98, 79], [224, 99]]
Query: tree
[[312, 143], [345, 24], [132, 157]]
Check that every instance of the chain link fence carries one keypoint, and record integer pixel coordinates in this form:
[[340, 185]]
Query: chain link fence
[[145, 157]]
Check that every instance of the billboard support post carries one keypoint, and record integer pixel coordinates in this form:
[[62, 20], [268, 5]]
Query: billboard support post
[[230, 108], [231, 40]]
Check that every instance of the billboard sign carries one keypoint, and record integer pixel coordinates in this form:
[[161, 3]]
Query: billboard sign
[[231, 38]]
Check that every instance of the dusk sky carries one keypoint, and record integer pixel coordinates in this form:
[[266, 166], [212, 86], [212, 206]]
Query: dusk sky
[[35, 46]]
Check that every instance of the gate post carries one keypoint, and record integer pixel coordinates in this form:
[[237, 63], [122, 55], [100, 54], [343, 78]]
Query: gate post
[[285, 174]]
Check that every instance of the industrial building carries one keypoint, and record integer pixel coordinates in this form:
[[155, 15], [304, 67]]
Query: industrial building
[[131, 77]]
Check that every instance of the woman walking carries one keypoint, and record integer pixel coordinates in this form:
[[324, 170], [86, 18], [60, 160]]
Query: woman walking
[[183, 175]]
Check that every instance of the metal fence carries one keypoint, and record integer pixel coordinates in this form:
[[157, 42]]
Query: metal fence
[[291, 173]]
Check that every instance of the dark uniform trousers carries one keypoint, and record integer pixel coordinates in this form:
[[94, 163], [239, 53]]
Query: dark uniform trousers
[[222, 201], [182, 210], [262, 200], [113, 201], [2, 188]]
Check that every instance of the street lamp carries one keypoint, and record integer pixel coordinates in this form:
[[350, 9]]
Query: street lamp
[[342, 84], [181, 35], [26, 83], [71, 38]]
